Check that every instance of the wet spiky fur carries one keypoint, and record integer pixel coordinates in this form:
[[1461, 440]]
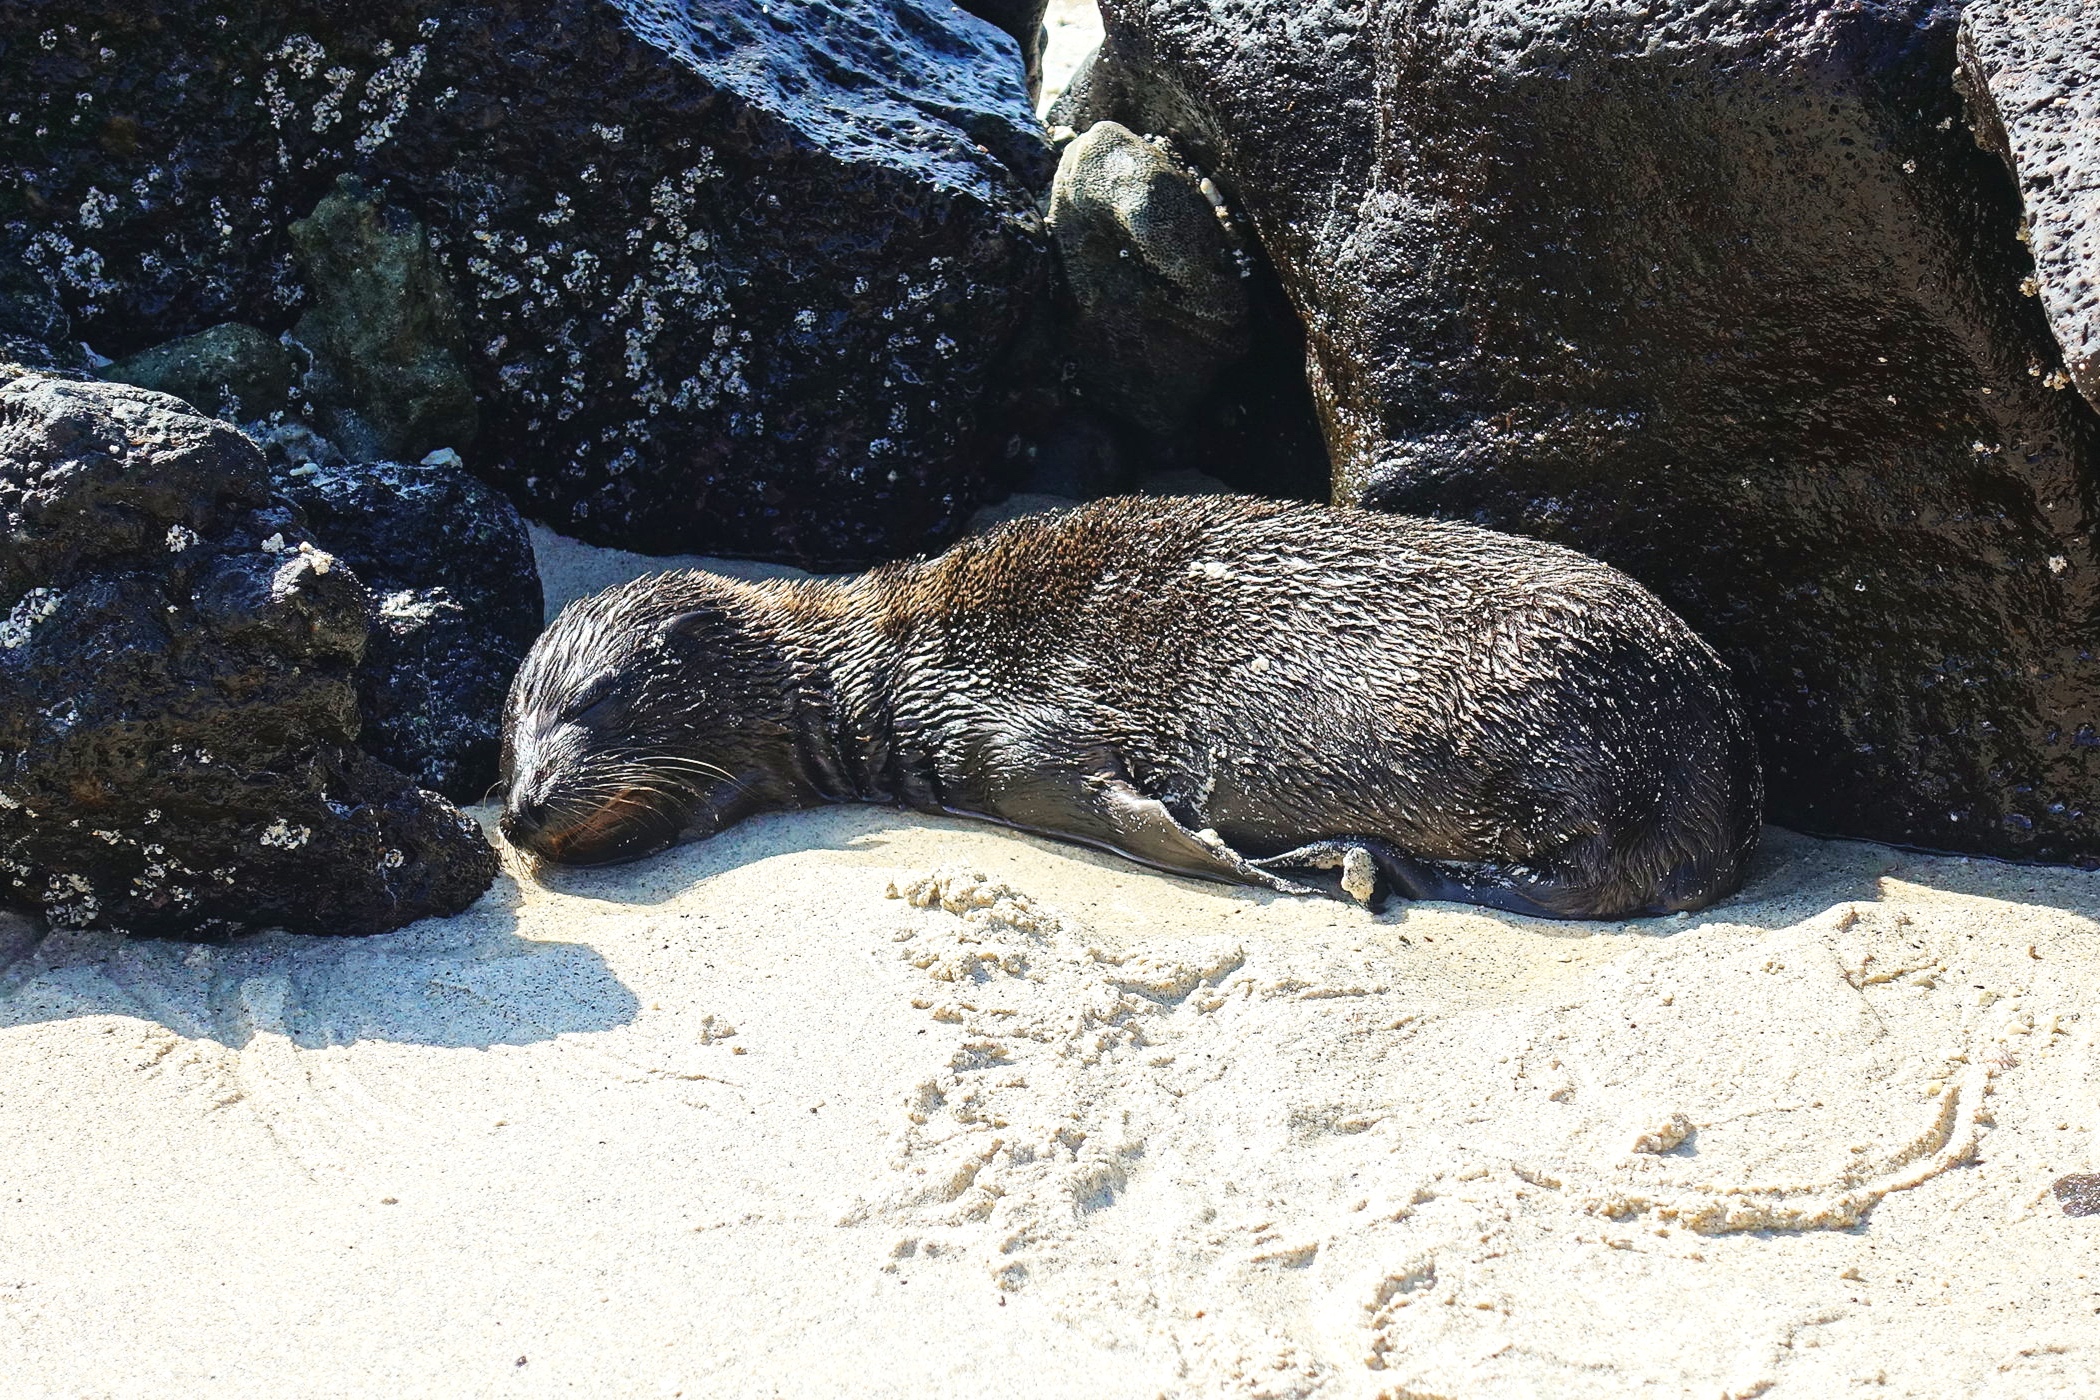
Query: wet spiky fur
[[1207, 684]]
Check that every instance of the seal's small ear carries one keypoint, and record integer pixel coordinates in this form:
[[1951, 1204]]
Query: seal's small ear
[[698, 624]]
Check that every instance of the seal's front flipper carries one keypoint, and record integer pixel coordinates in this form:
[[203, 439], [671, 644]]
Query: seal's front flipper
[[1108, 811]]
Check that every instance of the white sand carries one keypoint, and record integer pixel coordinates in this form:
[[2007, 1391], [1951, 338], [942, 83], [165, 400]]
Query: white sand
[[734, 1122], [1074, 29]]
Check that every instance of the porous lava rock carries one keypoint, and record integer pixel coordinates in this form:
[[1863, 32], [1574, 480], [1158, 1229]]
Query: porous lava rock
[[730, 277], [456, 601], [2031, 72], [177, 701], [1725, 295]]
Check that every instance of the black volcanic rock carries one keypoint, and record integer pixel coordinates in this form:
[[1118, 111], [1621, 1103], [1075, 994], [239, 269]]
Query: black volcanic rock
[[1727, 296], [729, 277], [35, 332], [2031, 72], [456, 601], [177, 707]]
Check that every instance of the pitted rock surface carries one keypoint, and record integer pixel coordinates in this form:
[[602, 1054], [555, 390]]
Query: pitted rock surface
[[455, 599], [729, 279], [1726, 296], [2031, 72], [177, 702]]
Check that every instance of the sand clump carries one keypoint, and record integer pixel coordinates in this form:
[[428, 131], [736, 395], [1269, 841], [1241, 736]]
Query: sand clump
[[861, 1102]]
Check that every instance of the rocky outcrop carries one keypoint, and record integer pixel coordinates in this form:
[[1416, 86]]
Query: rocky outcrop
[[177, 701], [727, 279], [1726, 296], [455, 597], [2031, 72], [446, 561]]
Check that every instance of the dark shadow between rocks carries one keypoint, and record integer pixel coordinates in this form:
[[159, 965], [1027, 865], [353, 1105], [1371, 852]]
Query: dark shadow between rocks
[[465, 982]]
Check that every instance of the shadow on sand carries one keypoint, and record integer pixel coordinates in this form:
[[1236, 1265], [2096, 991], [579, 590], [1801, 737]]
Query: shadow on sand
[[467, 981], [1792, 878]]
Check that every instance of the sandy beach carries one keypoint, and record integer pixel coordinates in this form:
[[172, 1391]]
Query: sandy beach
[[857, 1102]]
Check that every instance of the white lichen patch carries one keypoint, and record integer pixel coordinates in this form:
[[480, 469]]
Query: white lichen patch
[[180, 537], [96, 207], [385, 101], [35, 606], [284, 836], [69, 900], [303, 53], [408, 609]]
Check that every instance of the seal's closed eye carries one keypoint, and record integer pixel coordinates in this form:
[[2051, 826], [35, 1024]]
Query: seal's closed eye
[[600, 700]]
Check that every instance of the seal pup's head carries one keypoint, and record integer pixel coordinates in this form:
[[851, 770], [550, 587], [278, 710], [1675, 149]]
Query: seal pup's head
[[644, 714]]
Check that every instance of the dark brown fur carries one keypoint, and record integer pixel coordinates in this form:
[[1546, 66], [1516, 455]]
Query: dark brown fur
[[1216, 686]]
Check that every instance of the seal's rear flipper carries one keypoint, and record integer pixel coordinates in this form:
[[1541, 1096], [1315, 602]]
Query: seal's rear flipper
[[1411, 877], [1353, 857]]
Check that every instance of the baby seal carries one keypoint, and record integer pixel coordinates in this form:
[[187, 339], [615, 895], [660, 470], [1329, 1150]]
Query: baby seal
[[1217, 686]]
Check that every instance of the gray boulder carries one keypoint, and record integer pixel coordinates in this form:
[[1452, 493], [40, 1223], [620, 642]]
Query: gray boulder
[[383, 331], [228, 371], [1157, 305]]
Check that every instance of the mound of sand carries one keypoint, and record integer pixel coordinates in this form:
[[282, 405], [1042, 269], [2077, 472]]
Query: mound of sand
[[859, 1102]]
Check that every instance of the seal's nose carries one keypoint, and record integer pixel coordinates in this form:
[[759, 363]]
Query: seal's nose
[[523, 819]]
